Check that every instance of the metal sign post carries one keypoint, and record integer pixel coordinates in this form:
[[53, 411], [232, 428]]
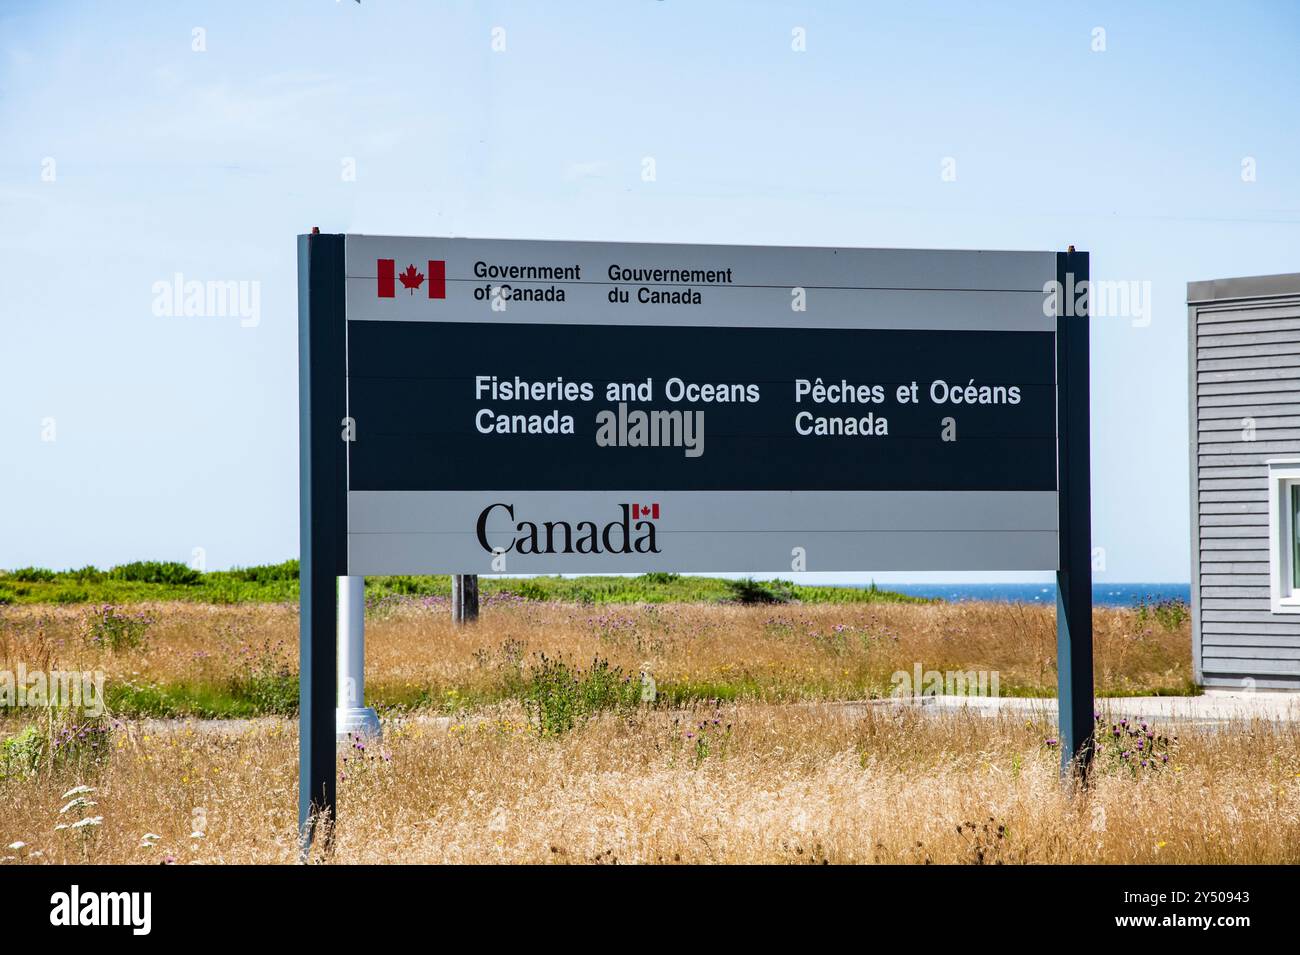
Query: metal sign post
[[322, 503], [1074, 577], [625, 408]]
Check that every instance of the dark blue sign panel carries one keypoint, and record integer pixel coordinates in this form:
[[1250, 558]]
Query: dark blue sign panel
[[461, 406]]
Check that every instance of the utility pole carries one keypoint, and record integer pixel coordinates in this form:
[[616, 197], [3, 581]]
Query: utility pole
[[464, 598]]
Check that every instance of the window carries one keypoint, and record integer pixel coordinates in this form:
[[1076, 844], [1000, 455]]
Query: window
[[1284, 531]]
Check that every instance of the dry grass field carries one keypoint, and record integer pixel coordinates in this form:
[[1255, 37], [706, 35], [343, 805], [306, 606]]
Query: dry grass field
[[744, 757], [764, 783], [182, 659]]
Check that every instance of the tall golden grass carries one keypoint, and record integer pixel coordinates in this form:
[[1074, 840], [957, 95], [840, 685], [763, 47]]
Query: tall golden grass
[[781, 652], [810, 783]]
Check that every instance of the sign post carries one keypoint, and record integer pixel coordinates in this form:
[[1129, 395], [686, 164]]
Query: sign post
[[626, 408], [322, 488], [1074, 574]]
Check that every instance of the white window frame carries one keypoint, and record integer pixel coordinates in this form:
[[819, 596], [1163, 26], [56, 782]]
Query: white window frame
[[1283, 474]]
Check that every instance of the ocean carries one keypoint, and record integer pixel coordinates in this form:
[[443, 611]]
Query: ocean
[[1103, 595]]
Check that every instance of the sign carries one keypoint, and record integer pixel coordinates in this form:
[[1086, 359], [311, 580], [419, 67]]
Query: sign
[[494, 406], [514, 404]]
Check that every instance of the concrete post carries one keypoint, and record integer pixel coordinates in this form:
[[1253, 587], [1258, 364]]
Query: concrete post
[[352, 715]]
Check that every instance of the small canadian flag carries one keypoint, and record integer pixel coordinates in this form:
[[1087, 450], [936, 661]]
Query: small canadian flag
[[640, 511], [412, 278]]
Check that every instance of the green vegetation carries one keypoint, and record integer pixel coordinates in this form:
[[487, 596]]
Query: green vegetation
[[150, 581], [63, 738], [558, 696], [1170, 614]]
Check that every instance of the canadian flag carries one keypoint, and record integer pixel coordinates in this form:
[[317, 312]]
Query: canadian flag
[[640, 511], [412, 278]]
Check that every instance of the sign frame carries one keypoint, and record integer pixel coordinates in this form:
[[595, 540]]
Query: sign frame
[[323, 515]]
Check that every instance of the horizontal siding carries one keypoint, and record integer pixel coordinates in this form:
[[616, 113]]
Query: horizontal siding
[[1257, 682], [1235, 580], [1247, 406], [1211, 327], [1250, 634], [1234, 507], [1250, 665], [1234, 567], [1253, 355], [1289, 655], [1269, 417], [1256, 400], [1252, 615]]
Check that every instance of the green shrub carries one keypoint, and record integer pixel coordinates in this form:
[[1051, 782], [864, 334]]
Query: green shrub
[[267, 681], [21, 754], [272, 691], [660, 578], [71, 595], [70, 741], [751, 591], [557, 697], [157, 572], [32, 575], [266, 573], [1169, 613], [529, 590]]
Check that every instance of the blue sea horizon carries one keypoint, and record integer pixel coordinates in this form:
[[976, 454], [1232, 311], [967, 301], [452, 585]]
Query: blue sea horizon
[[1103, 595]]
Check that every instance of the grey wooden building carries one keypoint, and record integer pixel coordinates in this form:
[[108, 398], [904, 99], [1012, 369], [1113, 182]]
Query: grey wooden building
[[1244, 397]]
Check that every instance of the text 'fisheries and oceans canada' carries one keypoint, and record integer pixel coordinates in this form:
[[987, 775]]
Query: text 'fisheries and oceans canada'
[[838, 408]]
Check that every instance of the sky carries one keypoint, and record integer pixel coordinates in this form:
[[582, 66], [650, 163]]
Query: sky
[[142, 140]]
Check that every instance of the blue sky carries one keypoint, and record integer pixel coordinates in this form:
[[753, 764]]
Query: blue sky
[[173, 433]]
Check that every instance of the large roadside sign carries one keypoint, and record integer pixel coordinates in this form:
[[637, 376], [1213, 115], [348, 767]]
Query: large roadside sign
[[520, 407], [544, 407]]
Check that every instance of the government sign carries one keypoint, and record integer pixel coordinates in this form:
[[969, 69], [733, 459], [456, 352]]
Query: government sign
[[517, 407], [514, 405]]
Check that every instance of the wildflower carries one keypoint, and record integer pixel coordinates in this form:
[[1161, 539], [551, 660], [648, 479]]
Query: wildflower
[[17, 846], [88, 822], [79, 790]]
